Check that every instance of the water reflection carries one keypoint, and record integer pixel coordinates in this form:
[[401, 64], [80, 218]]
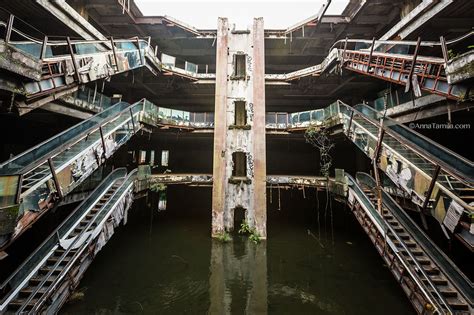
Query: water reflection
[[238, 265], [165, 263]]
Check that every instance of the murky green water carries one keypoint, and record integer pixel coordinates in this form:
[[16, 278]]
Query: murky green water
[[168, 265]]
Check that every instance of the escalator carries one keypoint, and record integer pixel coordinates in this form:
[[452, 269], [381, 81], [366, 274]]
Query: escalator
[[412, 161], [395, 61], [34, 181], [429, 278], [60, 261]]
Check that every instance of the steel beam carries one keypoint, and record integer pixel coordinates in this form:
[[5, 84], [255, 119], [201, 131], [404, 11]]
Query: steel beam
[[74, 61], [55, 178]]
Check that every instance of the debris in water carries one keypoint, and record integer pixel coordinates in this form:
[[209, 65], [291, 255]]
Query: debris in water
[[314, 236]]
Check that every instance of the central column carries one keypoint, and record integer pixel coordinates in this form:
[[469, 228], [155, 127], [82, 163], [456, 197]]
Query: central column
[[239, 165]]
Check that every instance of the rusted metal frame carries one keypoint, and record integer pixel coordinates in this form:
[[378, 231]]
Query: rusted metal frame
[[55, 177], [423, 75], [399, 80], [133, 121], [392, 67], [103, 141], [44, 46], [51, 76], [375, 64], [344, 52], [430, 189], [114, 52], [436, 78], [444, 48], [402, 67], [370, 55], [376, 165], [413, 64], [74, 61], [9, 28], [139, 51], [350, 124]]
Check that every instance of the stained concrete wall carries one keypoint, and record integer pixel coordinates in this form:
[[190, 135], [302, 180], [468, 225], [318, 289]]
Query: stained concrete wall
[[248, 192]]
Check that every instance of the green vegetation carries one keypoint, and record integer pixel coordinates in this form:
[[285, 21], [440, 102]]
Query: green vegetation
[[157, 187], [224, 237], [319, 138], [255, 237], [452, 54], [245, 229]]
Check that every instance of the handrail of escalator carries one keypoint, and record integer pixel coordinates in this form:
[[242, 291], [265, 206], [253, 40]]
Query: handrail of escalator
[[432, 151], [464, 285], [99, 218], [339, 108], [51, 146], [355, 185], [401, 42], [33, 259]]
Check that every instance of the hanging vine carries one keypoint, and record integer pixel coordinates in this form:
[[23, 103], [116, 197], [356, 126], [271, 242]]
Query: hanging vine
[[319, 138]]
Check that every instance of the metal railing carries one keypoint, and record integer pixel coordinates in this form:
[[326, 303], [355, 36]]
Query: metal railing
[[18, 278], [417, 274], [98, 220], [449, 269]]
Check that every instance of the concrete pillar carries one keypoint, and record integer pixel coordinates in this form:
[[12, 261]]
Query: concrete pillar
[[258, 129], [220, 128], [239, 169]]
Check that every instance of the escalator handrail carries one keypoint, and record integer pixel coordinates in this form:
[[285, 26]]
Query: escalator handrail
[[101, 189], [122, 107], [388, 228], [459, 280], [71, 129], [427, 143], [401, 42], [128, 180]]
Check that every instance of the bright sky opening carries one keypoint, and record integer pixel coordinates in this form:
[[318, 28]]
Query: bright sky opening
[[203, 14]]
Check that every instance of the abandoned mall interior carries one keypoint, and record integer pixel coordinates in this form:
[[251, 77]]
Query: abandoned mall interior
[[151, 166]]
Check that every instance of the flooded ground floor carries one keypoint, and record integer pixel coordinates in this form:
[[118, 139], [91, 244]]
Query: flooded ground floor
[[317, 260]]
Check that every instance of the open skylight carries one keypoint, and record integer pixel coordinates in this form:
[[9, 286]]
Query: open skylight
[[277, 14]]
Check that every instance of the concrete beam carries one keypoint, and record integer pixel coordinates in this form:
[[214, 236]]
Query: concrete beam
[[64, 110], [416, 18], [16, 61], [65, 13], [460, 68]]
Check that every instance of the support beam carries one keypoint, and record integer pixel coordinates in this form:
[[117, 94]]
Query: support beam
[[9, 28], [412, 68], [259, 148], [103, 142], [74, 61], [430, 189], [239, 139], [375, 161], [220, 126], [55, 178]]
